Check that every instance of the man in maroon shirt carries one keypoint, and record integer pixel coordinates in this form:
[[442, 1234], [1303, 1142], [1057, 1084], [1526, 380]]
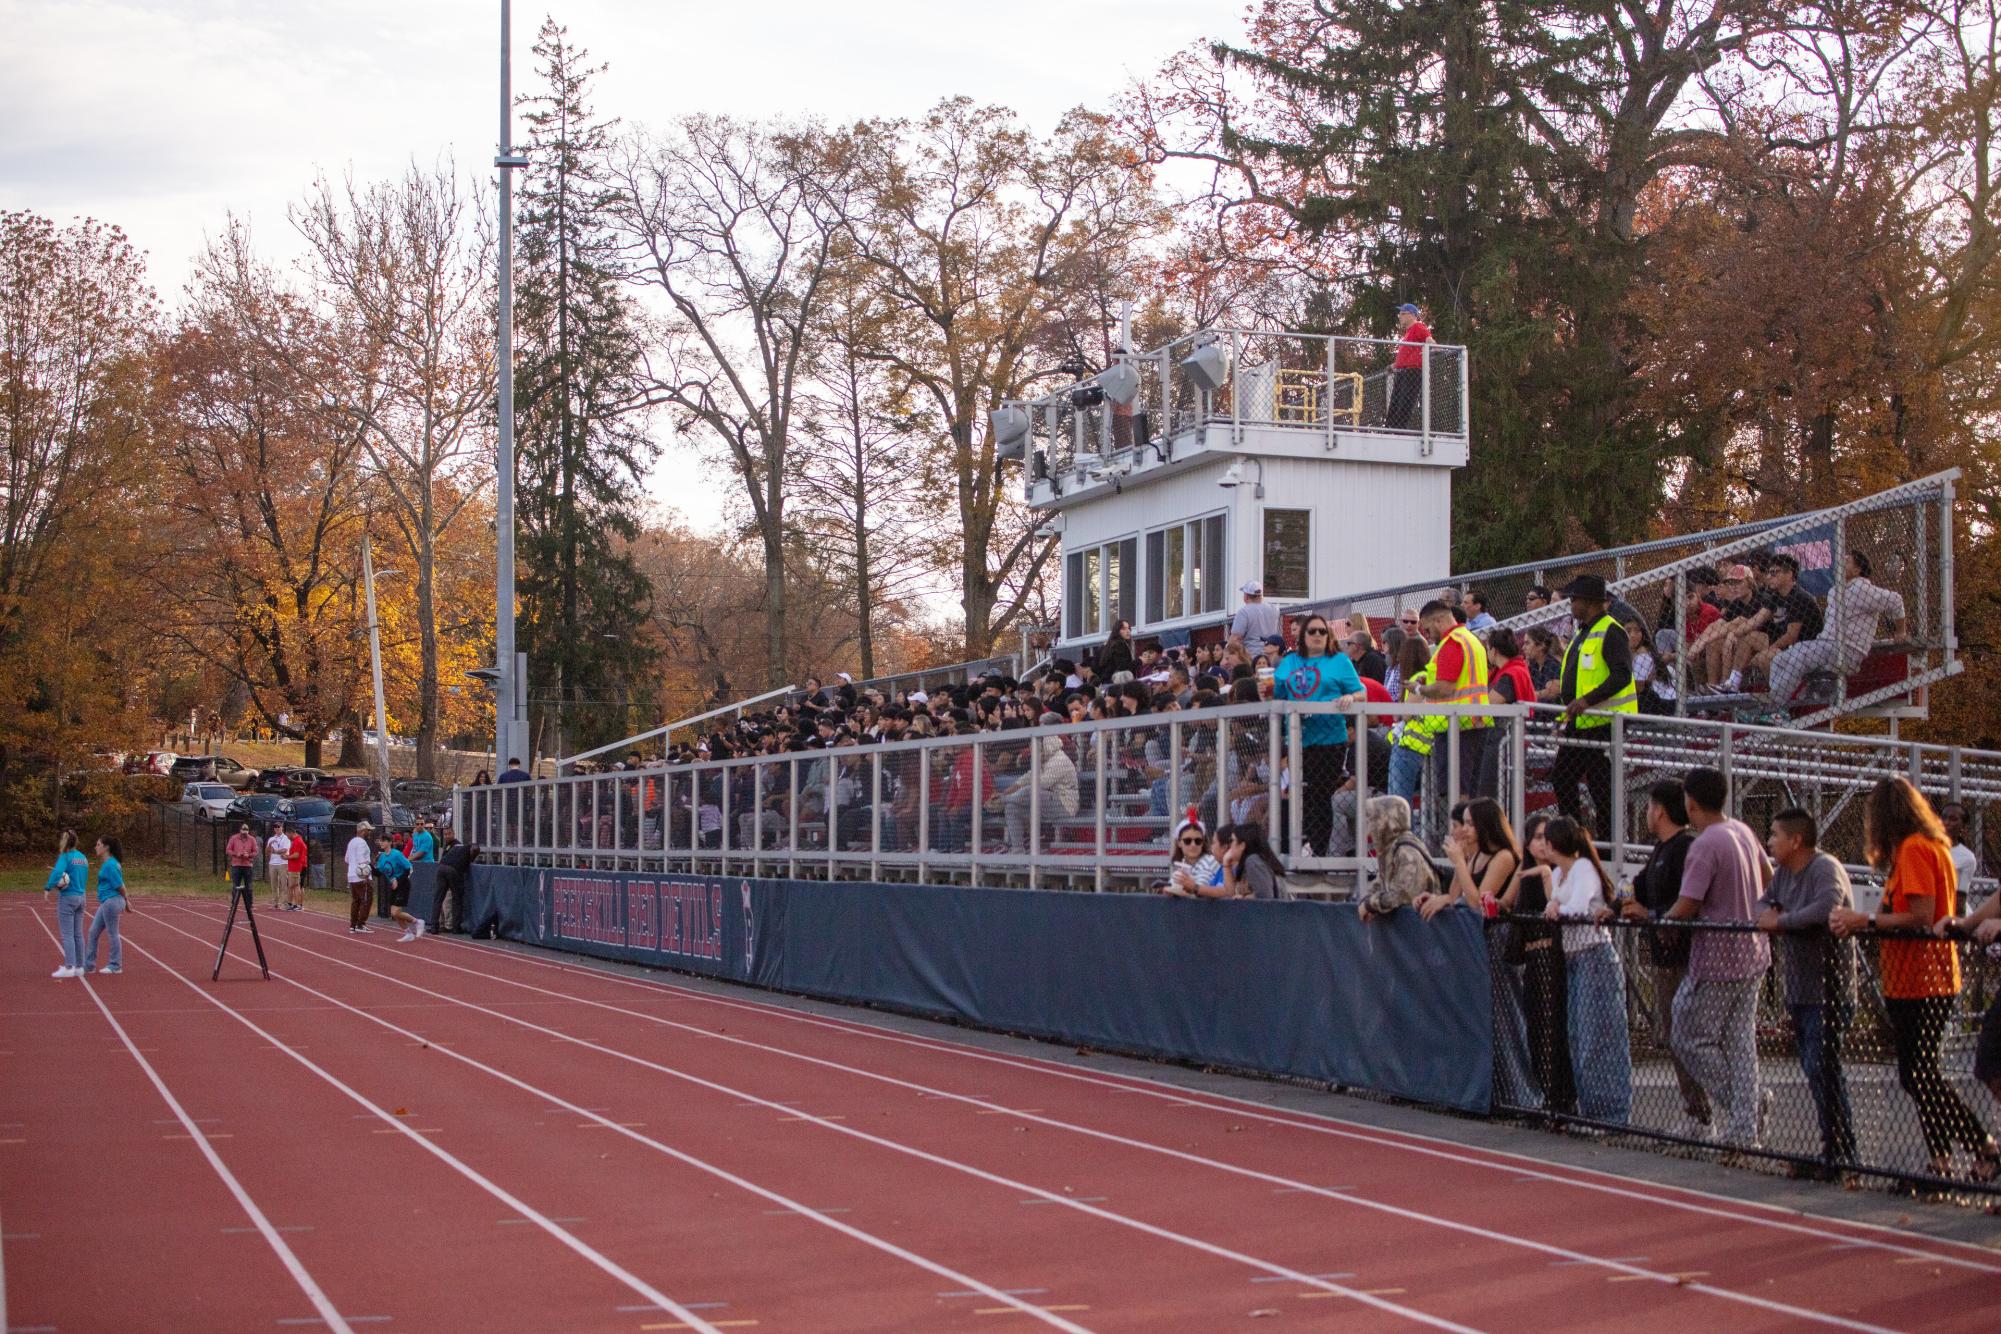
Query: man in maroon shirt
[[1407, 375]]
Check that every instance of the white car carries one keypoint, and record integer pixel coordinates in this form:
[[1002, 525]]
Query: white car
[[209, 801]]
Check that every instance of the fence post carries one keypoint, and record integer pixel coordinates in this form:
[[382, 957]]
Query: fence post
[[1723, 755], [1327, 395], [1296, 807], [1098, 763], [1173, 773], [1681, 613], [1617, 814], [1035, 809], [875, 816], [1519, 745], [1424, 395], [923, 809], [1361, 728], [974, 833], [1273, 766]]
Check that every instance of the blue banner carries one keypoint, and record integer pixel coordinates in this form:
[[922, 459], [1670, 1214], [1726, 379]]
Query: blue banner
[[1401, 1006]]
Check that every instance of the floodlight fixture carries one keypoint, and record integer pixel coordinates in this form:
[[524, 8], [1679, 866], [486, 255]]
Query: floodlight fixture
[[1208, 366], [1120, 383], [1011, 425]]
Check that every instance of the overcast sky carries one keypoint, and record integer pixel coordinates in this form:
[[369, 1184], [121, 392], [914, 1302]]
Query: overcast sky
[[164, 115]]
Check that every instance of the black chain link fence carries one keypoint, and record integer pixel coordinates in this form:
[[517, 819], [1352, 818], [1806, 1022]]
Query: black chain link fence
[[1802, 1065]]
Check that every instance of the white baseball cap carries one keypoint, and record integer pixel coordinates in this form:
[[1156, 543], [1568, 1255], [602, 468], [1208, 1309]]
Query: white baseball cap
[[1253, 589]]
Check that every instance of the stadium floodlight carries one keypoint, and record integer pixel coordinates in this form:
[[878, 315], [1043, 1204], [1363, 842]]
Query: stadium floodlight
[[1121, 382], [1208, 367], [1010, 426]]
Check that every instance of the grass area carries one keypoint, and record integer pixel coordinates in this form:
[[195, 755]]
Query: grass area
[[159, 879]]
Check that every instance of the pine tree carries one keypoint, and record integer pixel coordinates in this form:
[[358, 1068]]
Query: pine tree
[[580, 423]]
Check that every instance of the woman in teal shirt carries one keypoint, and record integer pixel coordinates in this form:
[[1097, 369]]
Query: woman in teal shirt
[[111, 904], [1319, 671], [66, 882]]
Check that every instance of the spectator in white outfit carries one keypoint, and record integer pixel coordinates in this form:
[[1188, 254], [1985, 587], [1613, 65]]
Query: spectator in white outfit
[[1058, 784], [1853, 611]]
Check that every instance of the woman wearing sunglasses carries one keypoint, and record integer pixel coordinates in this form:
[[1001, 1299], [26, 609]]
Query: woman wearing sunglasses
[[1193, 869], [1320, 673]]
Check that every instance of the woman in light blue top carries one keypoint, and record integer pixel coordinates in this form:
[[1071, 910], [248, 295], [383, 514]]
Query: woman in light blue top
[[66, 882], [111, 905]]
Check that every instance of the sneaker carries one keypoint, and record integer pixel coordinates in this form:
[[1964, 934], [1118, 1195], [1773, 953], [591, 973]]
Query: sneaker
[[416, 928], [66, 971], [114, 969], [357, 931]]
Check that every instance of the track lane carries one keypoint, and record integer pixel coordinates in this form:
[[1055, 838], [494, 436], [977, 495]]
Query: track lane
[[1769, 1268]]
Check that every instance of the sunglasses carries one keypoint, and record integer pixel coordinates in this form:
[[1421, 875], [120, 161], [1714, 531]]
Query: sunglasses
[[1318, 630], [1193, 838]]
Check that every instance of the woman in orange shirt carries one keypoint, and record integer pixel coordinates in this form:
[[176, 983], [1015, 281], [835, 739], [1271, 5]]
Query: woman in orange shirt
[[1920, 977]]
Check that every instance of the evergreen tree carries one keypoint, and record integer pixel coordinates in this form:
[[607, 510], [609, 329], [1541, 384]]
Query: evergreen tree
[[580, 422]]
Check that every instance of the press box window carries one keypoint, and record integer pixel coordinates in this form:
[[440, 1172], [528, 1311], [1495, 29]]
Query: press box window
[[1288, 552]]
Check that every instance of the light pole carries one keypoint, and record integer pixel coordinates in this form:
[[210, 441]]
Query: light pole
[[507, 690], [375, 665]]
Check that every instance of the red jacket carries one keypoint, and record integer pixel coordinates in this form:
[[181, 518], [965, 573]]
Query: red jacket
[[1516, 672]]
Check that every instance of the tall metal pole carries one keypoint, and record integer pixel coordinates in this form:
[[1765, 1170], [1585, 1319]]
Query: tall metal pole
[[506, 690], [375, 665]]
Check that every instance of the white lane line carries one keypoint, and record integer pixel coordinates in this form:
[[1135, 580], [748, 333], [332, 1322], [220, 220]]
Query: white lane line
[[1139, 1225], [721, 1174], [595, 1257], [1629, 1271], [1323, 1123], [286, 1255]]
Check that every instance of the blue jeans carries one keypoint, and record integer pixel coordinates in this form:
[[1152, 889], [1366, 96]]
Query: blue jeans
[[1601, 1062], [1818, 1030], [108, 912], [1406, 772], [69, 925]]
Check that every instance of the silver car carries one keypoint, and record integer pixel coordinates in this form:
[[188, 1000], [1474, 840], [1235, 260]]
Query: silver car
[[209, 801]]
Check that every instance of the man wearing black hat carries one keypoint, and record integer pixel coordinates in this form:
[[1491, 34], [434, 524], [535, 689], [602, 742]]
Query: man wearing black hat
[[1407, 376], [1597, 683]]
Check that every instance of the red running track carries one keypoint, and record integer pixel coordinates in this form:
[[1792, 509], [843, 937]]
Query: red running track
[[446, 1136]]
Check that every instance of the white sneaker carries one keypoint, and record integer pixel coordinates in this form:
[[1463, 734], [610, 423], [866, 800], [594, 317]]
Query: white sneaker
[[357, 931], [66, 971], [416, 928], [1735, 684], [409, 934], [114, 969]]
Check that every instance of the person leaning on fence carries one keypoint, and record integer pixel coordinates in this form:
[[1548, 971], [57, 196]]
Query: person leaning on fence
[[1407, 372], [1594, 982], [1655, 890], [1921, 981], [1818, 970], [454, 876], [1716, 1010], [1251, 870], [1983, 925], [1458, 676], [1534, 946], [1483, 854], [1597, 684], [1319, 672], [1403, 865]]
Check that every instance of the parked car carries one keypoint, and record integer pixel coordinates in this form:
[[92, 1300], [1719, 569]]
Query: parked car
[[272, 779], [400, 817], [301, 782], [255, 806], [209, 801], [344, 787], [418, 793], [150, 762], [213, 768], [311, 814]]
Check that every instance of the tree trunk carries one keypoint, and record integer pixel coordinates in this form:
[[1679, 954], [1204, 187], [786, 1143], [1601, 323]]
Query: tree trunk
[[775, 673], [427, 634], [314, 748], [864, 602]]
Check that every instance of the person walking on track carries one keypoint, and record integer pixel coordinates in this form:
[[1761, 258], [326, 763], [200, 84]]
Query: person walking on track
[[111, 905], [66, 884], [360, 860]]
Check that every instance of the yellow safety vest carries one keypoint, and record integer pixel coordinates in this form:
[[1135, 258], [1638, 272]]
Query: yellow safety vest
[[1587, 651], [1420, 731], [1471, 687]]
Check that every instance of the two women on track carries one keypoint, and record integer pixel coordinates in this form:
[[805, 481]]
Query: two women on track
[[66, 884]]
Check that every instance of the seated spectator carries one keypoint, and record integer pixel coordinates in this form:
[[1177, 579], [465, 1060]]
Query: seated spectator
[[1192, 866], [1403, 866], [1544, 655], [1646, 674], [1743, 609], [1790, 616], [1478, 618], [1057, 786], [1251, 870], [1341, 836], [1858, 606]]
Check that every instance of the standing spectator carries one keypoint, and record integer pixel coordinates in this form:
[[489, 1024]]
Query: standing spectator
[[1458, 676], [1115, 656], [278, 864], [1857, 606], [1655, 890], [1509, 682], [67, 881], [1414, 736], [1479, 619], [423, 843], [1370, 664], [1983, 924], [1404, 873], [1819, 972], [360, 860], [1594, 983], [1407, 373], [454, 878], [1319, 674], [242, 850], [1597, 683], [1534, 946], [1921, 979], [1716, 1010], [482, 779], [513, 773], [111, 905], [1965, 863], [296, 867], [1257, 620]]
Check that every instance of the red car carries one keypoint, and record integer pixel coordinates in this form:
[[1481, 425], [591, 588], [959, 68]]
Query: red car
[[345, 787]]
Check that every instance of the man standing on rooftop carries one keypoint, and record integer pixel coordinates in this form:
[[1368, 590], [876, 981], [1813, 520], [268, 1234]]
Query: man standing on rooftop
[[1407, 376]]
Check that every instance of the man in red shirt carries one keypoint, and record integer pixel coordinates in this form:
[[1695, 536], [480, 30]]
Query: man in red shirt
[[1407, 377]]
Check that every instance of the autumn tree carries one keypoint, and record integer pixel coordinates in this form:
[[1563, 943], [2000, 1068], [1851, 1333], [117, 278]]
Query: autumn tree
[[581, 411], [406, 269]]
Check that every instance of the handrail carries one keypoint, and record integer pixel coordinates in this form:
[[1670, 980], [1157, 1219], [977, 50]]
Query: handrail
[[666, 728]]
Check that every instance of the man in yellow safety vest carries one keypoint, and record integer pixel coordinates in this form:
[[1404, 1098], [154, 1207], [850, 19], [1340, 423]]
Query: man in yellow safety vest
[[1597, 684], [1459, 676]]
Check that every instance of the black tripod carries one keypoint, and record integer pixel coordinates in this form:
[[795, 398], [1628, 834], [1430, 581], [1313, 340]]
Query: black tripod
[[244, 894]]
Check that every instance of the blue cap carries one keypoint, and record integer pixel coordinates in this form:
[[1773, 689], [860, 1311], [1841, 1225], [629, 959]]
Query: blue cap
[[1409, 307]]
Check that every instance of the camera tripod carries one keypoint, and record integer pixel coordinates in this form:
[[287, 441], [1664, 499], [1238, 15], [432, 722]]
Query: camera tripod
[[246, 895]]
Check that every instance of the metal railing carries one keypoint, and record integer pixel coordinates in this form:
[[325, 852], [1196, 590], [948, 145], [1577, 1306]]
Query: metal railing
[[1320, 383]]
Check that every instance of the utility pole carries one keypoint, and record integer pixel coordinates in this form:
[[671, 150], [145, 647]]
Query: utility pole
[[507, 688], [375, 664]]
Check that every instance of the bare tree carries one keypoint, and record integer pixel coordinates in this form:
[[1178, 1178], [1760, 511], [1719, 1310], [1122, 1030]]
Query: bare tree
[[407, 268], [735, 226]]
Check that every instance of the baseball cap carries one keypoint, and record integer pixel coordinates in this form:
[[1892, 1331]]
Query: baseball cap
[[1252, 588], [1409, 308], [1737, 574], [919, 697], [845, 677]]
